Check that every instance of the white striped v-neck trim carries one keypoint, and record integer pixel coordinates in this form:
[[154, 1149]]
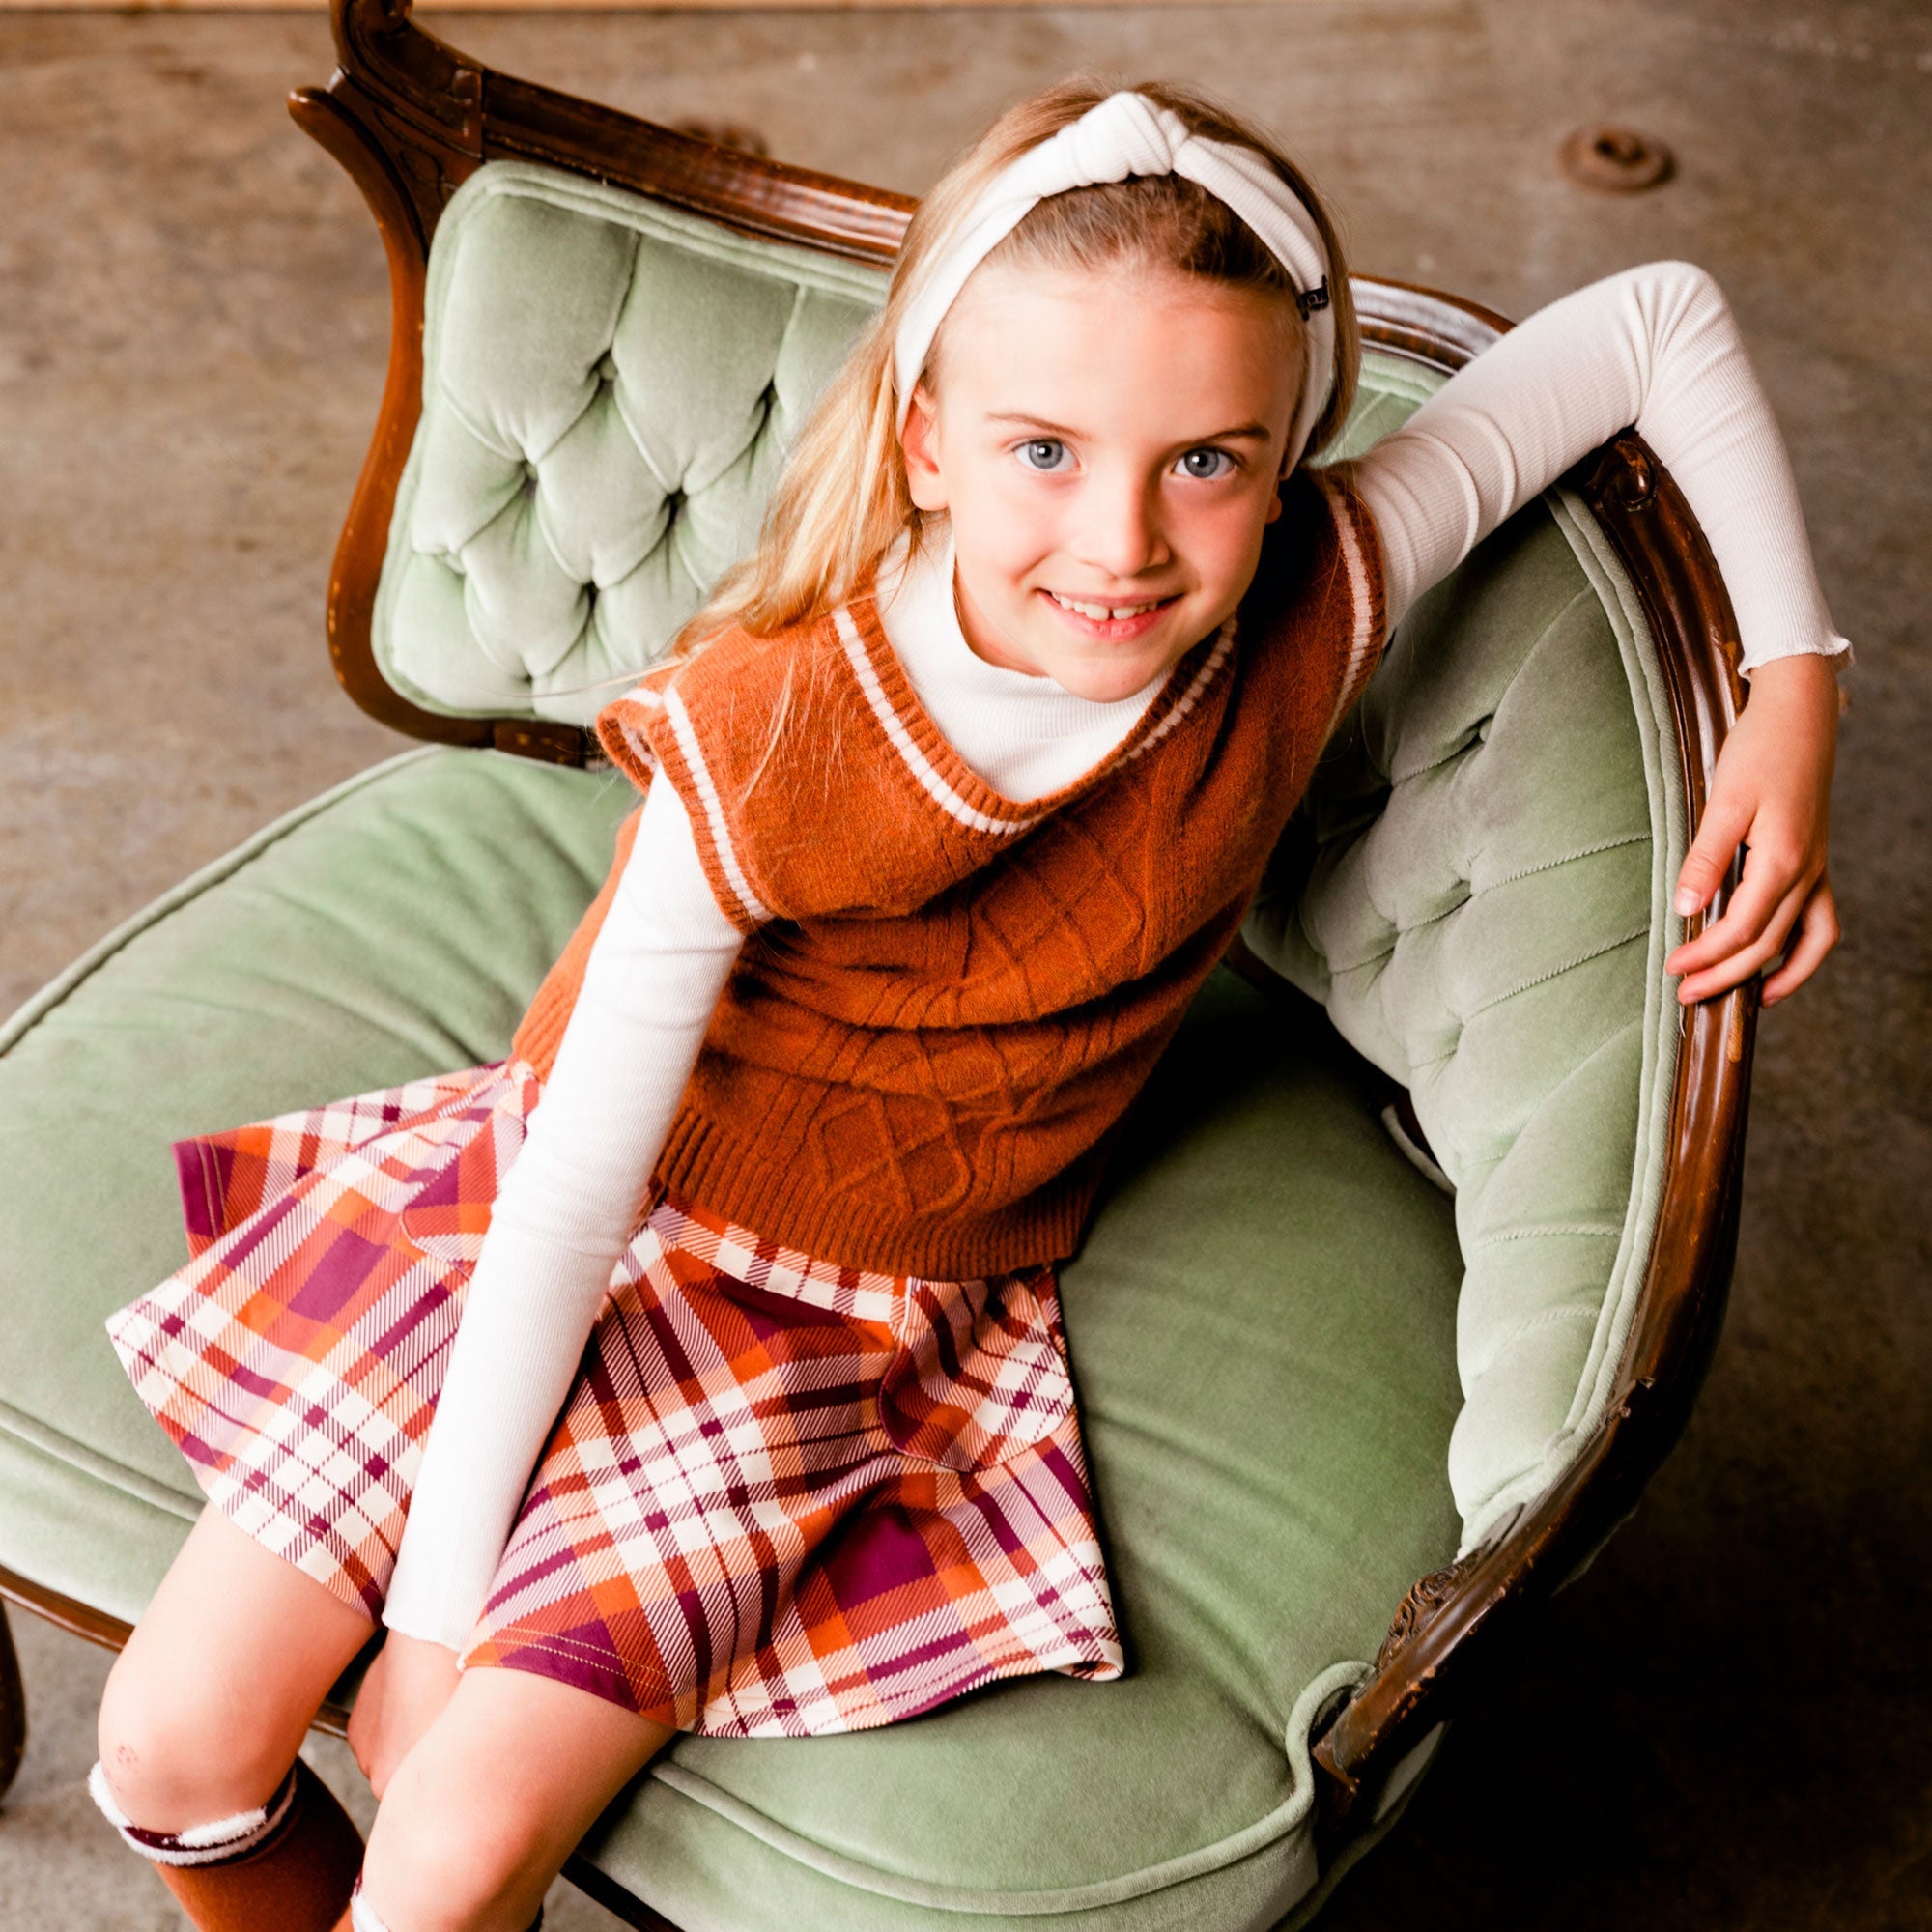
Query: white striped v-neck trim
[[1160, 717], [901, 739]]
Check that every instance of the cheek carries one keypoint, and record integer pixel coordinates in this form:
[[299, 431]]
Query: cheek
[[1014, 528], [1226, 545]]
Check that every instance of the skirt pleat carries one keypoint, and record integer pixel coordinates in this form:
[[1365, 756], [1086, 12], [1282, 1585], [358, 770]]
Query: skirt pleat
[[781, 1498]]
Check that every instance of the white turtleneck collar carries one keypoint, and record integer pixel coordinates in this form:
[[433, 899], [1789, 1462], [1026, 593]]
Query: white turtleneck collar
[[1022, 734]]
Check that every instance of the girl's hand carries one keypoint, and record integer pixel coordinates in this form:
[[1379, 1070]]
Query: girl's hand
[[401, 1696], [1771, 792]]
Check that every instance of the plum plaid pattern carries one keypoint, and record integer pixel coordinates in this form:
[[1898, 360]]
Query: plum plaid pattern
[[782, 1499]]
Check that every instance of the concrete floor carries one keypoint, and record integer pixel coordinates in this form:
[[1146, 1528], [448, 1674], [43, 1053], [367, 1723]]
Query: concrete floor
[[1729, 1721]]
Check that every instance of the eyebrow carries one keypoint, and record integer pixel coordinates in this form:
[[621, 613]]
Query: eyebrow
[[1249, 431]]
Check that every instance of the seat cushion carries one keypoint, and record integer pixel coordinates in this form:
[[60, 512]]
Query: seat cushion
[[1262, 1324], [372, 935]]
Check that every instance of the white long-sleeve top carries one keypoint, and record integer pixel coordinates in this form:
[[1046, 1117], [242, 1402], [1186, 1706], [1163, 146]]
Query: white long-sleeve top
[[1654, 346]]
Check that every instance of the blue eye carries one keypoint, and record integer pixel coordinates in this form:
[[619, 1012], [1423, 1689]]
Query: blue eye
[[1045, 448], [1190, 463]]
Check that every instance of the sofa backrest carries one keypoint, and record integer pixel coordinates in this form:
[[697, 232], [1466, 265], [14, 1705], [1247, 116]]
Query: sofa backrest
[[1477, 890], [609, 388]]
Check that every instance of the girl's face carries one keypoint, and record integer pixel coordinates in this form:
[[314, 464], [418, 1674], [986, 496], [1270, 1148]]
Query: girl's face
[[1107, 447]]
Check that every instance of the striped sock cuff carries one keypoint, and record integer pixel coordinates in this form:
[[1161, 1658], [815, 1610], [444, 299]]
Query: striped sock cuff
[[197, 1844]]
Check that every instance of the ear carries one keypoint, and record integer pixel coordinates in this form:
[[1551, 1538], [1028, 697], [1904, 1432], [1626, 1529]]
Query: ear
[[920, 441], [1274, 500]]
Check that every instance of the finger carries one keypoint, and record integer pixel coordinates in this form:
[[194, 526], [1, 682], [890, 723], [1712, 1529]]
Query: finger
[[1726, 822], [1747, 961], [1818, 932], [1766, 891]]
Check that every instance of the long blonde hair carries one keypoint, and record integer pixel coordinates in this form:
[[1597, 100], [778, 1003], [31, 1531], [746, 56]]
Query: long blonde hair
[[841, 501]]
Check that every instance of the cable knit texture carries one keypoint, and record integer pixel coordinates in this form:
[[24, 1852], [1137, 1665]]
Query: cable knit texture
[[918, 1062]]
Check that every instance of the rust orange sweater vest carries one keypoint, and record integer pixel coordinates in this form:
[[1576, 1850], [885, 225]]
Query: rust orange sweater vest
[[947, 1000]]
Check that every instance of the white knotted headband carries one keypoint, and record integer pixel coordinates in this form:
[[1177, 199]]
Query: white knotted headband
[[1129, 134]]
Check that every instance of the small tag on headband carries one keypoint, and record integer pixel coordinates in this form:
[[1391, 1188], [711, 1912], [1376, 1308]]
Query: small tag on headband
[[1313, 298]]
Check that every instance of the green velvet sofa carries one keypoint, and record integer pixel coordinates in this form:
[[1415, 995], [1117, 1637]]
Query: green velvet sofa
[[1406, 1278]]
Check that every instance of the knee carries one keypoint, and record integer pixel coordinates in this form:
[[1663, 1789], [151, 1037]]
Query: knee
[[443, 1860], [175, 1756]]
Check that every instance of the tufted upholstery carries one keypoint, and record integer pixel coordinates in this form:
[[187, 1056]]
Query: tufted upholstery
[[1476, 889], [609, 388]]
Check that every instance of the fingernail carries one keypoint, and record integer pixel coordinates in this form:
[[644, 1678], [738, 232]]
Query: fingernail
[[1686, 902]]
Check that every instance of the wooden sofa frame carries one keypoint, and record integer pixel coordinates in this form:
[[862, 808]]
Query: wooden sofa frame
[[409, 118]]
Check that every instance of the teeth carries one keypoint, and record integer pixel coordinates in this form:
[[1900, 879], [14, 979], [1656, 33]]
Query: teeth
[[1102, 613]]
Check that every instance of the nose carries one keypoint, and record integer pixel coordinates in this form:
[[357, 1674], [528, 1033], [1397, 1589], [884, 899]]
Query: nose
[[1118, 534]]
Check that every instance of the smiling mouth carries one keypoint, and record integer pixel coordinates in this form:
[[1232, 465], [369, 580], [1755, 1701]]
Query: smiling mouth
[[1102, 613]]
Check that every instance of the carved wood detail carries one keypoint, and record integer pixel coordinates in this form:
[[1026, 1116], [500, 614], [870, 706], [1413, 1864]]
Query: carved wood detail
[[1425, 1596]]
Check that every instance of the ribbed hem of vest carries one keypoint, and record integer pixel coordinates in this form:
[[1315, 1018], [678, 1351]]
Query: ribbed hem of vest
[[701, 1163]]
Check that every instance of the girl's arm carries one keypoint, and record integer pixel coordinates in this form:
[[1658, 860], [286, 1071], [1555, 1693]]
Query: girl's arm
[[1656, 348], [564, 1214]]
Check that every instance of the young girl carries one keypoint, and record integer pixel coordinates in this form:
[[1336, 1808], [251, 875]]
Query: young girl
[[957, 791]]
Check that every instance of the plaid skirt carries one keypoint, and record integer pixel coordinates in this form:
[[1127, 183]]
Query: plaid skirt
[[782, 1499]]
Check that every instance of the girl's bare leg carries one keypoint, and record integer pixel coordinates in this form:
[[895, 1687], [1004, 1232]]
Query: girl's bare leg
[[481, 1815], [206, 1707]]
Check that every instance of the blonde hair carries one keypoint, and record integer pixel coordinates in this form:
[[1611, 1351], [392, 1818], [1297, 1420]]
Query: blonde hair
[[841, 501]]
